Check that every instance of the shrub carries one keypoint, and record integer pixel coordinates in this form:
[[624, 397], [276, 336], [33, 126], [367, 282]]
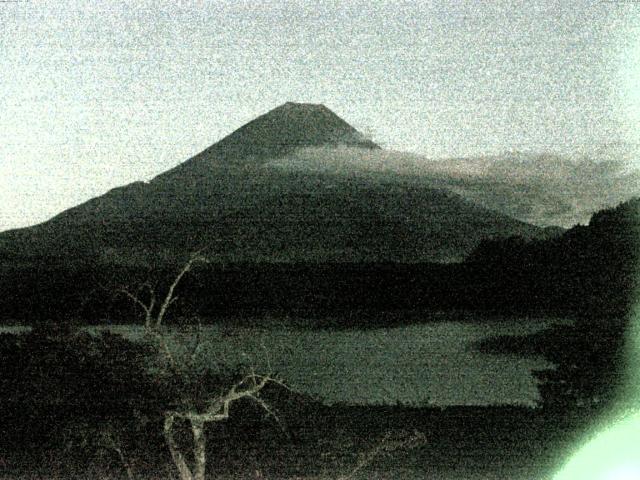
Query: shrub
[[55, 376]]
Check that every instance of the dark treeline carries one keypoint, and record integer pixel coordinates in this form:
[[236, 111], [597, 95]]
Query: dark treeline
[[594, 270], [589, 271]]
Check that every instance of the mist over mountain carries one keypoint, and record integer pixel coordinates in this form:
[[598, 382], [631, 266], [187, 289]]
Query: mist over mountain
[[543, 189], [232, 200]]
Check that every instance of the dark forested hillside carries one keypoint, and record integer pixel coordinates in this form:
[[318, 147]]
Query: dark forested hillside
[[589, 272]]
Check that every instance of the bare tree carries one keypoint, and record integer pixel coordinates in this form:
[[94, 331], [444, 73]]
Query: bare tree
[[217, 410], [388, 445], [146, 297], [217, 406]]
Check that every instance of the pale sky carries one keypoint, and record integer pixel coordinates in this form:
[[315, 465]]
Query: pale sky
[[96, 94]]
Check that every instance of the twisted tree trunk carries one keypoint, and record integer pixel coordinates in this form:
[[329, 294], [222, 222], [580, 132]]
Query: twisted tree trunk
[[176, 455], [249, 387], [218, 410]]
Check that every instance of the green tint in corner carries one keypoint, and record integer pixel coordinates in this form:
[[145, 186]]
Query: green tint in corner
[[612, 455], [614, 452]]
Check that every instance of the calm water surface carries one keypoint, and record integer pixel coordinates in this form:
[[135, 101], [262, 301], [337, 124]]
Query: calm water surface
[[432, 364]]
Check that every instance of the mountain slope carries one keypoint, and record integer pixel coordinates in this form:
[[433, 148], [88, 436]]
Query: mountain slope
[[543, 189], [231, 201], [276, 133]]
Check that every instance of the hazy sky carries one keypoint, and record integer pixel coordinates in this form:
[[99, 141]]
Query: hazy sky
[[99, 93]]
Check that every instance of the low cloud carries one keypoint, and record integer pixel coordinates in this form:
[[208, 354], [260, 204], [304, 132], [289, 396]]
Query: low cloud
[[543, 189]]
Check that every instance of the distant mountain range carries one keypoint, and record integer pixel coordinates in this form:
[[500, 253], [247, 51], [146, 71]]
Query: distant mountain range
[[236, 201]]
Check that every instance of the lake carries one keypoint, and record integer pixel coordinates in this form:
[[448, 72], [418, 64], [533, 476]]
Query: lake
[[429, 364]]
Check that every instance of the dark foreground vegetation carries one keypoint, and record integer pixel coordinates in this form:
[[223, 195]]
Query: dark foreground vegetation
[[83, 406]]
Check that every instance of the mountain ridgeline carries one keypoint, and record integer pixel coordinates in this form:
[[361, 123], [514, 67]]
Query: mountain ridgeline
[[232, 202], [310, 243], [273, 135]]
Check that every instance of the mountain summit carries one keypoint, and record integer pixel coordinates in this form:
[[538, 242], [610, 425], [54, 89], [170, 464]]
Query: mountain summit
[[276, 133], [288, 126]]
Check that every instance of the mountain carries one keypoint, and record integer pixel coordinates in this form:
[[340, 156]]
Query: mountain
[[231, 200]]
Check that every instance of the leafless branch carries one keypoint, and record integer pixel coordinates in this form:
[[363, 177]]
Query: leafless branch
[[386, 445], [154, 320], [148, 309], [218, 410], [197, 344], [169, 298], [270, 413]]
